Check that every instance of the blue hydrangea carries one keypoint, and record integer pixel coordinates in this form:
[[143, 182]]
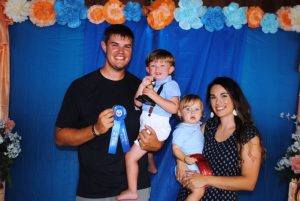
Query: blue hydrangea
[[213, 19], [269, 23], [188, 14], [235, 16], [70, 12], [133, 11]]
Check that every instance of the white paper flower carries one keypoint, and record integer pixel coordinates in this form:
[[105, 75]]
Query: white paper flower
[[295, 18], [17, 10]]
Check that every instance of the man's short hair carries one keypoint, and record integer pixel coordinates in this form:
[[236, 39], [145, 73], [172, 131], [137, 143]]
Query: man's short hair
[[118, 29], [159, 54]]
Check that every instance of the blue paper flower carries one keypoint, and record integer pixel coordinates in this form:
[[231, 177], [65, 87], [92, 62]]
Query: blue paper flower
[[133, 11], [213, 19], [70, 12], [188, 14], [269, 23], [234, 15]]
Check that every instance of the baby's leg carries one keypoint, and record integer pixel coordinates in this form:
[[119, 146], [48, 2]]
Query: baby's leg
[[196, 195], [151, 164], [132, 170]]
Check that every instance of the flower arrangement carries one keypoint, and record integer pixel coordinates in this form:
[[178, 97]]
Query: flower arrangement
[[9, 148], [190, 14], [290, 162]]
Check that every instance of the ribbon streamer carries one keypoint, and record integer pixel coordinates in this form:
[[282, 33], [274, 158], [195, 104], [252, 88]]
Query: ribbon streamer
[[119, 129]]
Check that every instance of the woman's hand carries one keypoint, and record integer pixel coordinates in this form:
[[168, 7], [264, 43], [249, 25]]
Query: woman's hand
[[180, 170], [194, 180]]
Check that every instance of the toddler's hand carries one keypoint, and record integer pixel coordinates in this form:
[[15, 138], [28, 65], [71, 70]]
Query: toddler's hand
[[189, 160], [147, 80]]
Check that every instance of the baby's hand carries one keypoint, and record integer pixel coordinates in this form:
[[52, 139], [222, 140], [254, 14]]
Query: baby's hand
[[189, 160]]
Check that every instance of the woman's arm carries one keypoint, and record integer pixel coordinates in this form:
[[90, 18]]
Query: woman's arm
[[251, 156]]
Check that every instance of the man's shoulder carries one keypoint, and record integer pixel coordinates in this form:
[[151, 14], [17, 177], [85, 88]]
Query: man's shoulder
[[132, 78], [85, 79]]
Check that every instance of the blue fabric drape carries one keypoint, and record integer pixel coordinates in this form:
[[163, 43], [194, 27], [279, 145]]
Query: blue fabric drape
[[44, 61]]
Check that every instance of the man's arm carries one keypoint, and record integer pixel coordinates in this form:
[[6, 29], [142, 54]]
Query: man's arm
[[75, 137]]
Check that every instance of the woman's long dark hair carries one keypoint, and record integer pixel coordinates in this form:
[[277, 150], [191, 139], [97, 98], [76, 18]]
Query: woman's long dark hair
[[240, 104]]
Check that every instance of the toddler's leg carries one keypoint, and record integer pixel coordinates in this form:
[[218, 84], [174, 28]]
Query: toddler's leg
[[196, 195], [151, 164], [132, 170]]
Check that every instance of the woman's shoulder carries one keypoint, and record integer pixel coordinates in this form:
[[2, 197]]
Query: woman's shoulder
[[249, 131]]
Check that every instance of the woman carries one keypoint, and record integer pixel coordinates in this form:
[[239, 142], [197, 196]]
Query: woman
[[232, 145]]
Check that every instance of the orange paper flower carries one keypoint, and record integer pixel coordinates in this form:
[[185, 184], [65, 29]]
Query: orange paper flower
[[161, 13], [284, 19], [95, 14], [113, 12], [254, 16], [41, 12]]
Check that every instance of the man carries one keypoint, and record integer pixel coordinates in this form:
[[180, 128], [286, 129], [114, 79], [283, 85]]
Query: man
[[86, 119]]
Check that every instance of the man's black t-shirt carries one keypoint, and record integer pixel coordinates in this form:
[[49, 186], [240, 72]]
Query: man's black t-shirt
[[101, 174]]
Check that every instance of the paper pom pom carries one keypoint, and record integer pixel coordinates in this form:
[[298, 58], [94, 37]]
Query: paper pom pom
[[295, 18], [188, 14], [254, 16], [41, 12], [161, 14], [213, 19], [95, 14], [235, 16], [269, 23], [70, 12], [133, 11], [17, 10], [113, 12], [284, 19]]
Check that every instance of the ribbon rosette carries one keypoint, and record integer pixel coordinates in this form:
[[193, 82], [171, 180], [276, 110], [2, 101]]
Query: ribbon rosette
[[118, 129]]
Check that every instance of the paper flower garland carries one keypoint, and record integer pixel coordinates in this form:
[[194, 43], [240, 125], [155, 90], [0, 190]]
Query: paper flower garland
[[160, 14], [188, 14], [69, 12], [235, 16], [213, 19], [254, 16], [113, 13], [41, 12], [295, 18], [269, 23], [133, 11], [95, 14], [284, 19], [17, 10]]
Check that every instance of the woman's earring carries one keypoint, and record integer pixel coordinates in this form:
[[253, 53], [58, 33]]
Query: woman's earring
[[212, 115], [234, 112]]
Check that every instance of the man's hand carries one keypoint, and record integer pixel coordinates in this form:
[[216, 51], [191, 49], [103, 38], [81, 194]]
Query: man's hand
[[148, 139], [105, 121]]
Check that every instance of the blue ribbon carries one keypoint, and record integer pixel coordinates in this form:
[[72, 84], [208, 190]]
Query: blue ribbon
[[119, 129]]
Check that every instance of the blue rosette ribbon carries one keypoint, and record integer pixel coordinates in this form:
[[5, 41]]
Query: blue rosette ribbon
[[119, 129]]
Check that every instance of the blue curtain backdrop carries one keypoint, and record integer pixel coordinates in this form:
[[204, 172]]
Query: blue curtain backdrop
[[44, 61]]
